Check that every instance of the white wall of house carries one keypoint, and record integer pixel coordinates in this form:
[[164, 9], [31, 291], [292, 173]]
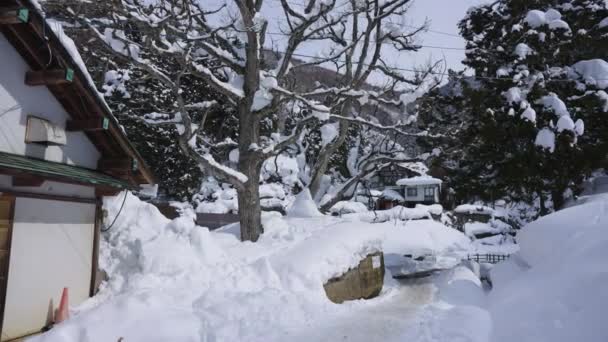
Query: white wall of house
[[50, 188], [420, 193], [18, 100], [52, 247]]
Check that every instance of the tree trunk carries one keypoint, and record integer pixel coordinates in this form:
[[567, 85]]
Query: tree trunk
[[558, 199], [322, 162], [250, 211], [543, 208]]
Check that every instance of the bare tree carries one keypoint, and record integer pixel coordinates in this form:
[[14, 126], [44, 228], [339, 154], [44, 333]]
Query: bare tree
[[225, 45]]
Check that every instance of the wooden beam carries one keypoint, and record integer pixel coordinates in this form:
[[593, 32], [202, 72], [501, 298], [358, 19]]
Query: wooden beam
[[14, 16], [27, 180], [14, 193], [87, 125], [49, 77]]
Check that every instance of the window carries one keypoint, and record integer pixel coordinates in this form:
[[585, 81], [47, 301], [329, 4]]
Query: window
[[429, 192], [412, 192]]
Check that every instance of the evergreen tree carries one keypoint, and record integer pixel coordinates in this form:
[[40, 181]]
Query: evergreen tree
[[540, 66]]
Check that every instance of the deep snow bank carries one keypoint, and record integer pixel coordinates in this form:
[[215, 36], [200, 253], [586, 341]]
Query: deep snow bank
[[555, 288], [174, 281]]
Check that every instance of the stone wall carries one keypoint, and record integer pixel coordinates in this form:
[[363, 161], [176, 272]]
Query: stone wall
[[363, 282]]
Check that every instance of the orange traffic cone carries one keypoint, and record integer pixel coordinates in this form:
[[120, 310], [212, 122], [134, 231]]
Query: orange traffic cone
[[62, 313]]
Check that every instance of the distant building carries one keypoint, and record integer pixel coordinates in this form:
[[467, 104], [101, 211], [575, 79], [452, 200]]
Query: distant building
[[405, 184], [61, 150]]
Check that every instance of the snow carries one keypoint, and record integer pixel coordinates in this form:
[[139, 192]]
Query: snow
[[545, 138], [232, 172], [494, 226], [551, 291], [174, 281], [579, 127], [329, 132], [303, 206], [392, 195], [419, 180], [565, 123], [476, 209], [522, 50], [553, 102], [285, 167], [603, 23], [552, 18], [513, 95], [529, 114], [399, 213], [593, 72], [348, 207], [604, 97]]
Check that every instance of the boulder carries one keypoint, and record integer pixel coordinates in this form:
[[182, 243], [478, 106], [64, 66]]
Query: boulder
[[362, 282]]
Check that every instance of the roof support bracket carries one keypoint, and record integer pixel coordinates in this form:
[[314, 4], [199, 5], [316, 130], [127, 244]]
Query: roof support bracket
[[49, 77], [87, 125], [14, 16]]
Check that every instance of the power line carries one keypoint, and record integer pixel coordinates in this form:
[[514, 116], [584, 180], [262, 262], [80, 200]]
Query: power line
[[384, 43], [433, 72], [410, 26]]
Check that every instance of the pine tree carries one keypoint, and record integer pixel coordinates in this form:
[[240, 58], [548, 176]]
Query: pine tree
[[534, 101]]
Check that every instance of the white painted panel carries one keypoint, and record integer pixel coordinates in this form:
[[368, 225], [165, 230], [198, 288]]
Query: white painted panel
[[52, 247], [50, 188], [18, 100]]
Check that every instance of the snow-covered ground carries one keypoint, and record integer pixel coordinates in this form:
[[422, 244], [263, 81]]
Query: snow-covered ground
[[173, 281]]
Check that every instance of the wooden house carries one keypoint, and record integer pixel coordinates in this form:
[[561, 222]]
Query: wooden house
[[61, 150]]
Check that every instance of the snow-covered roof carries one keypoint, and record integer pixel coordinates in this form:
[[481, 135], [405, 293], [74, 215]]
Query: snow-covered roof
[[392, 195], [419, 180], [38, 31], [477, 209], [417, 167]]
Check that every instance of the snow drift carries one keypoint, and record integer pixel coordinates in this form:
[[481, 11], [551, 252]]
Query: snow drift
[[174, 281], [553, 290]]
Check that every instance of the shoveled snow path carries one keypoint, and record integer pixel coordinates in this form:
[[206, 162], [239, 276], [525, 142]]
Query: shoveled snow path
[[388, 319]]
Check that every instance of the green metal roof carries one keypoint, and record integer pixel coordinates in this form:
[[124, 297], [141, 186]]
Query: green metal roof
[[59, 171]]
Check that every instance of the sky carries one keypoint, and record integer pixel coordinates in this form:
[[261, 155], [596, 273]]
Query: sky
[[443, 34], [444, 16]]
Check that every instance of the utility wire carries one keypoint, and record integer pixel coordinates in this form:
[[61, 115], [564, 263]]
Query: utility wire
[[410, 26], [384, 43]]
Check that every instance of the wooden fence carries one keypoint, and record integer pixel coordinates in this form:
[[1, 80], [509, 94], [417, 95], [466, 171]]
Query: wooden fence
[[214, 221], [488, 258]]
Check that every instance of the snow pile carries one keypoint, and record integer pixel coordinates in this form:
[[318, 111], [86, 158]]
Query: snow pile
[[594, 72], [553, 289], [281, 167], [189, 284], [497, 244], [348, 207], [304, 206], [545, 138], [216, 198], [400, 213], [552, 18], [477, 209]]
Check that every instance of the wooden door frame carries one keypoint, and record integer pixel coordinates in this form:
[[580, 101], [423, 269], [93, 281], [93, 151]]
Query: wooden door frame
[[11, 215]]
